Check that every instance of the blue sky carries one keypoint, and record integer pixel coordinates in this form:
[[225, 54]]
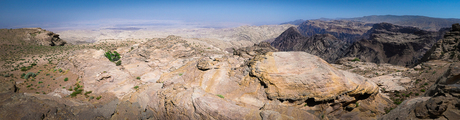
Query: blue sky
[[81, 13]]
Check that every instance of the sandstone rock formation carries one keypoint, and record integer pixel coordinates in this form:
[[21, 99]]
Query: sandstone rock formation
[[288, 79], [171, 78]]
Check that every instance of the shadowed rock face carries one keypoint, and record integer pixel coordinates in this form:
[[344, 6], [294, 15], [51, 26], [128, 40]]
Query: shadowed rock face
[[383, 43], [447, 48], [441, 101], [325, 46], [393, 44], [344, 30]]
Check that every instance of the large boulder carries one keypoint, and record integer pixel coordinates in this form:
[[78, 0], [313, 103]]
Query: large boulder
[[299, 76]]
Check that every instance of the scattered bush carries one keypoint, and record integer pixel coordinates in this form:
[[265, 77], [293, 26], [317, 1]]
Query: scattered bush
[[28, 75], [66, 79], [118, 63], [115, 56], [221, 96], [99, 97], [89, 92], [423, 90], [138, 78], [136, 87], [356, 59], [77, 91]]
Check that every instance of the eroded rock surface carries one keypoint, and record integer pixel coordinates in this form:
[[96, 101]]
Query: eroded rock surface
[[441, 100], [170, 78], [299, 76]]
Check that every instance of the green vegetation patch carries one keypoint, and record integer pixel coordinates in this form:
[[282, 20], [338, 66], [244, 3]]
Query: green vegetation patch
[[115, 56], [221, 96], [356, 59]]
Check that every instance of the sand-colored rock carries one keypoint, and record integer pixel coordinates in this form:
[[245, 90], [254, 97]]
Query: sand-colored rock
[[299, 76]]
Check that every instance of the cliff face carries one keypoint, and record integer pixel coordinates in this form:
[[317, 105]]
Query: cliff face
[[344, 30], [383, 43], [388, 43], [325, 46], [441, 100], [422, 22], [447, 48]]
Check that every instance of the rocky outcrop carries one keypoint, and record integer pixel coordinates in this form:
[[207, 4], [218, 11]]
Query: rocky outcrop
[[344, 30], [325, 46], [281, 73], [441, 100], [43, 37], [257, 49], [392, 44], [447, 48], [170, 78]]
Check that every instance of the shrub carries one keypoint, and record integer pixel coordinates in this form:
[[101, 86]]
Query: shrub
[[221, 96], [6, 75], [66, 79], [138, 78], [30, 74], [115, 56], [99, 97], [77, 91], [118, 63], [423, 90], [136, 87], [89, 92], [356, 59]]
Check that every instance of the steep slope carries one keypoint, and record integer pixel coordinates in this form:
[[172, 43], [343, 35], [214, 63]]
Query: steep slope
[[422, 22], [325, 46], [398, 45], [35, 36], [441, 100], [342, 29]]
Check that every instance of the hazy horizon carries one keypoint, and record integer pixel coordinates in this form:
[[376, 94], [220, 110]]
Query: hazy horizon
[[83, 14]]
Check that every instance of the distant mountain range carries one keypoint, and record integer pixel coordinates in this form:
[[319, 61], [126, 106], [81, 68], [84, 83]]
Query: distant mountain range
[[422, 22]]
